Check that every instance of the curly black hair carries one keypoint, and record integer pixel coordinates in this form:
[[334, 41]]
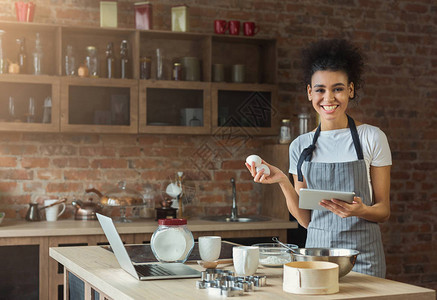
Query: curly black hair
[[333, 55]]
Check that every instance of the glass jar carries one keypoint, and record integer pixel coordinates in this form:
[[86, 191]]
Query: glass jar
[[285, 134], [70, 61], [177, 71], [92, 61], [172, 241], [304, 121], [145, 68]]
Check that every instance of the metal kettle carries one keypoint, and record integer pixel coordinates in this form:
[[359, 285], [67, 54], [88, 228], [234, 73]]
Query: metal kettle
[[86, 210], [33, 213]]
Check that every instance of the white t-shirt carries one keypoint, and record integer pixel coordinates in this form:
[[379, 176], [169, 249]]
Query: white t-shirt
[[334, 146]]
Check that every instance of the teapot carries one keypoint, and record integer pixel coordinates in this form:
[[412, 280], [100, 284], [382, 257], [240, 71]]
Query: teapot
[[86, 210]]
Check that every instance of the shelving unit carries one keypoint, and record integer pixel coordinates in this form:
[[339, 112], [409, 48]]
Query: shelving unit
[[134, 105]]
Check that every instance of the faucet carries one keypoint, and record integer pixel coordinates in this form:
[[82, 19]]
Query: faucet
[[234, 209]]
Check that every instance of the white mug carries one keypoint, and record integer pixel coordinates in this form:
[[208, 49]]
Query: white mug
[[246, 260], [210, 247], [52, 213]]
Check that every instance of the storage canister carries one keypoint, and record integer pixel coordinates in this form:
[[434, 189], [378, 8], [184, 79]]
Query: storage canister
[[143, 15], [179, 18], [172, 241]]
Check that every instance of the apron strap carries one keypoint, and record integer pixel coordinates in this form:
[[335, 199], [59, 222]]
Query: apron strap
[[307, 153], [355, 138]]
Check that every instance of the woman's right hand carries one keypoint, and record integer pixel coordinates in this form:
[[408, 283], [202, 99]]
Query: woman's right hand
[[276, 175]]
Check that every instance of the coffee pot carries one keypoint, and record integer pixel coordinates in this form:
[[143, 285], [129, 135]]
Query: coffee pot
[[33, 213]]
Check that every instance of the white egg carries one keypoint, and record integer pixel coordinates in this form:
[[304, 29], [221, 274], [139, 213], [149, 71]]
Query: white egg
[[254, 158], [265, 168]]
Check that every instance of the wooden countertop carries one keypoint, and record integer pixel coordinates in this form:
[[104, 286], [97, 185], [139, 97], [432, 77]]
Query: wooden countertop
[[21, 228], [101, 270]]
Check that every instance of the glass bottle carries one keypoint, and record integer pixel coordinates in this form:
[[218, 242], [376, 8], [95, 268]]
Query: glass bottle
[[70, 61], [31, 110], [124, 59], [11, 108], [2, 60], [285, 134], [37, 56], [22, 58], [47, 114], [109, 60], [159, 69], [92, 62], [304, 121]]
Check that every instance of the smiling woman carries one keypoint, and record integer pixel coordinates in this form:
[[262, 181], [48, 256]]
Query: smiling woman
[[340, 155]]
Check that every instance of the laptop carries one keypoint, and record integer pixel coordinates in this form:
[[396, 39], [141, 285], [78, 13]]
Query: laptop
[[142, 271]]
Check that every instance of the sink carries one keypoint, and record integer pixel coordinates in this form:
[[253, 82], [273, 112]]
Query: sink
[[241, 219]]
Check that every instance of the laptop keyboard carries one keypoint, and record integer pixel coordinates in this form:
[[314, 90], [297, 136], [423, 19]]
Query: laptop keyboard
[[152, 270]]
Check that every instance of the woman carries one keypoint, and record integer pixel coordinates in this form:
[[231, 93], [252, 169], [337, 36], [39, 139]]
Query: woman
[[341, 155]]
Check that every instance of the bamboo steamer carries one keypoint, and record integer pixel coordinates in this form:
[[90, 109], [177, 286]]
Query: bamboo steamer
[[311, 277]]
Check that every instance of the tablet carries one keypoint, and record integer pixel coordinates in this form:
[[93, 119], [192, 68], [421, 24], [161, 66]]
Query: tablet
[[310, 199]]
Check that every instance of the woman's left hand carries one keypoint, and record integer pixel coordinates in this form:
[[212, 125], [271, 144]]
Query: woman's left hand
[[344, 209]]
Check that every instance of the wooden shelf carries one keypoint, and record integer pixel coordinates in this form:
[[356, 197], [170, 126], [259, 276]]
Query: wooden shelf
[[155, 106]]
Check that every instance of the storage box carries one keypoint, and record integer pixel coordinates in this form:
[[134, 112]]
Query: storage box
[[143, 15], [179, 18], [108, 14]]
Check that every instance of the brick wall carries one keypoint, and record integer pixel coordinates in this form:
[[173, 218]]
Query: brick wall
[[399, 96]]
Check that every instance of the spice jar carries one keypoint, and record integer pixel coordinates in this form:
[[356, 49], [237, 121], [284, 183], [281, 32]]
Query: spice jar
[[172, 241], [177, 71], [145, 68], [285, 134]]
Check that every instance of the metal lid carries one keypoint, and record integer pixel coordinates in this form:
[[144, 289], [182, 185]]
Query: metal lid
[[172, 221]]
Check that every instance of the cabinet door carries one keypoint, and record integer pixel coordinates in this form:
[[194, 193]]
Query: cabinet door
[[99, 105], [19, 113], [24, 269], [175, 107], [244, 109]]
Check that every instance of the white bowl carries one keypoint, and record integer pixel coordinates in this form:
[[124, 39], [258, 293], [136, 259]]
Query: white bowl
[[274, 255]]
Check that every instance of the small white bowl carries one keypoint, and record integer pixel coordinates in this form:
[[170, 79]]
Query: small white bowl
[[2, 216], [274, 255]]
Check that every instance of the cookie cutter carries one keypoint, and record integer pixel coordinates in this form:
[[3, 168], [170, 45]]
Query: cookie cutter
[[225, 283]]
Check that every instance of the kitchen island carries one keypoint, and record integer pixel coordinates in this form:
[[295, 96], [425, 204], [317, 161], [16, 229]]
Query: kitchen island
[[100, 271], [39, 236]]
